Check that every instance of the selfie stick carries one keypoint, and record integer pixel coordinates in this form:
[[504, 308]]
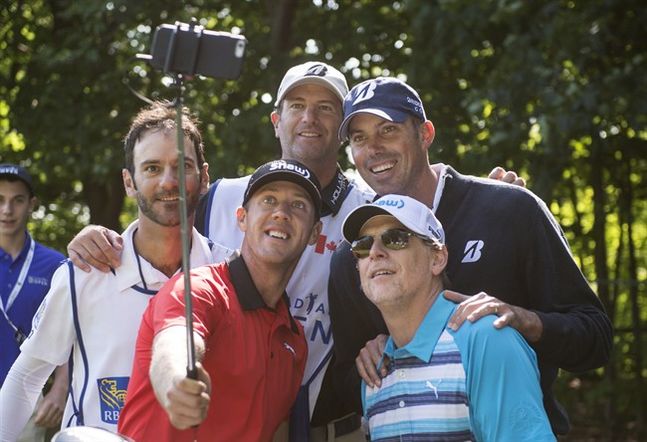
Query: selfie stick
[[191, 371], [192, 40]]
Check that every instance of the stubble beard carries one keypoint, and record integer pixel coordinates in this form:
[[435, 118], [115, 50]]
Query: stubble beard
[[162, 216]]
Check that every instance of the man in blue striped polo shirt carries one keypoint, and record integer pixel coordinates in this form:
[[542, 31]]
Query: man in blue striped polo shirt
[[476, 383]]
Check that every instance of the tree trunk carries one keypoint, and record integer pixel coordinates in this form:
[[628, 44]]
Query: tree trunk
[[626, 201], [282, 16], [611, 373], [599, 224], [106, 201]]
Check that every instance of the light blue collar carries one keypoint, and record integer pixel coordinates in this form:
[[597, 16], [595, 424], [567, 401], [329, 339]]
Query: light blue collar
[[424, 341]]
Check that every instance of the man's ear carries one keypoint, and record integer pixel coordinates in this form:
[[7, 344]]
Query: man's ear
[[314, 234], [204, 178], [428, 133], [241, 218], [33, 203], [439, 261], [129, 183], [274, 116]]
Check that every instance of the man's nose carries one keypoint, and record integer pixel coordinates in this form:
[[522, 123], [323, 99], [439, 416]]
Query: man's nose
[[6, 207], [374, 145], [169, 178], [309, 114], [282, 211], [377, 249]]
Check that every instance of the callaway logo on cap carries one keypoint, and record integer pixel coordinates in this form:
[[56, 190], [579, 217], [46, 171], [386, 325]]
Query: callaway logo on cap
[[386, 97], [413, 214]]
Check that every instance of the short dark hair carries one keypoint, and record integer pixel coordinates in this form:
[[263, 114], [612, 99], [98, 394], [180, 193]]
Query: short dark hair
[[161, 115], [15, 179]]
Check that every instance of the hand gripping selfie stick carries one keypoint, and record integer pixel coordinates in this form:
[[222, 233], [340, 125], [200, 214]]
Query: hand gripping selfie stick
[[184, 50]]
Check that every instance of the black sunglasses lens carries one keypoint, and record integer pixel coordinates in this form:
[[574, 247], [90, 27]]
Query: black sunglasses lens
[[361, 247], [395, 239]]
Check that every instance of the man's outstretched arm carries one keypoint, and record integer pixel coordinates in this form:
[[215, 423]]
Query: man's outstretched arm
[[185, 400]]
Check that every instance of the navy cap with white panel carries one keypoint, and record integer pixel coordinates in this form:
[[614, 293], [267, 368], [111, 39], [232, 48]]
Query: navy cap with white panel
[[386, 97]]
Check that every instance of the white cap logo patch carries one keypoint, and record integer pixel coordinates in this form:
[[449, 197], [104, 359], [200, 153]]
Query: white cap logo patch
[[282, 165], [398, 204], [319, 70]]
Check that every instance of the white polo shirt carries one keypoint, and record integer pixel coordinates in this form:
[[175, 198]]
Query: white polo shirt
[[95, 316], [308, 287]]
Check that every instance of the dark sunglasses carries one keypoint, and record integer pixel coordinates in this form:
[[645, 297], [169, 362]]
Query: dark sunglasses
[[393, 239]]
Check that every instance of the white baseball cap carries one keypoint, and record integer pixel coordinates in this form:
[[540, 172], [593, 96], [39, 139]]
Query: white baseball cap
[[313, 72], [413, 214]]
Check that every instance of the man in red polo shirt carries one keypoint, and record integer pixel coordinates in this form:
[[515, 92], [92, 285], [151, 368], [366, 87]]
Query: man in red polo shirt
[[252, 351]]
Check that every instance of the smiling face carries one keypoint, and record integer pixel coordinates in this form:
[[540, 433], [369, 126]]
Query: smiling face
[[399, 279], [306, 123], [155, 184], [390, 157], [16, 206], [278, 221]]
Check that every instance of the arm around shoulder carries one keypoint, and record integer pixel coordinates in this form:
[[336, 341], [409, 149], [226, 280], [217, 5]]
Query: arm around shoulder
[[96, 247]]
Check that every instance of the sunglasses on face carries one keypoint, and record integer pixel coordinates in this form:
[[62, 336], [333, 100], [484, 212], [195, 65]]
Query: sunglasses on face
[[392, 239]]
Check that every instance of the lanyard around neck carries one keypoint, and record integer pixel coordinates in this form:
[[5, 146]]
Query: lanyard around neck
[[139, 263], [21, 277]]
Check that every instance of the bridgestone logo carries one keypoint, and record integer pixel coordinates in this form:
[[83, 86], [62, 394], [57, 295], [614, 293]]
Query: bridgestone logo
[[472, 251], [318, 70]]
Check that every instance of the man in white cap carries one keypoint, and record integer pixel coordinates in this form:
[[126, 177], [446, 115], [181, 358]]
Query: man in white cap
[[510, 253], [477, 383]]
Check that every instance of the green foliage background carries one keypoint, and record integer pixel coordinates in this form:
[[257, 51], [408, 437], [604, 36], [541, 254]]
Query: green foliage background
[[556, 90]]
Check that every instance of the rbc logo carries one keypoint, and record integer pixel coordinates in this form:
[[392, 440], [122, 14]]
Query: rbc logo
[[112, 395]]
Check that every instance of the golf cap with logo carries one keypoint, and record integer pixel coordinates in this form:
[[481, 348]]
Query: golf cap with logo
[[286, 170], [386, 97], [413, 215], [18, 172], [313, 72]]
